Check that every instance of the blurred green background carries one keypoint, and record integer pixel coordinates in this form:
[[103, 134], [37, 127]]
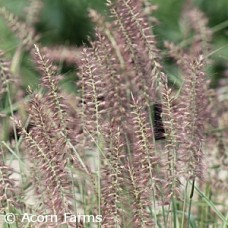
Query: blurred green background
[[65, 22]]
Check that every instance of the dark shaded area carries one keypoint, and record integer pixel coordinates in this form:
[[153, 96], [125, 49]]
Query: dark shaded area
[[159, 130], [17, 134]]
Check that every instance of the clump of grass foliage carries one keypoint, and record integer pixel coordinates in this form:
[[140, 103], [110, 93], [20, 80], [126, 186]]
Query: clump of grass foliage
[[130, 145]]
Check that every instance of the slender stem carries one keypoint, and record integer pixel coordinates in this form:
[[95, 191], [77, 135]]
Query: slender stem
[[174, 212], [184, 206], [15, 133], [190, 202]]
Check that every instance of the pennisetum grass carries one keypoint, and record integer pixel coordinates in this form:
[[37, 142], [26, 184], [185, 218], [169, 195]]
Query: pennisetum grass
[[128, 146]]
